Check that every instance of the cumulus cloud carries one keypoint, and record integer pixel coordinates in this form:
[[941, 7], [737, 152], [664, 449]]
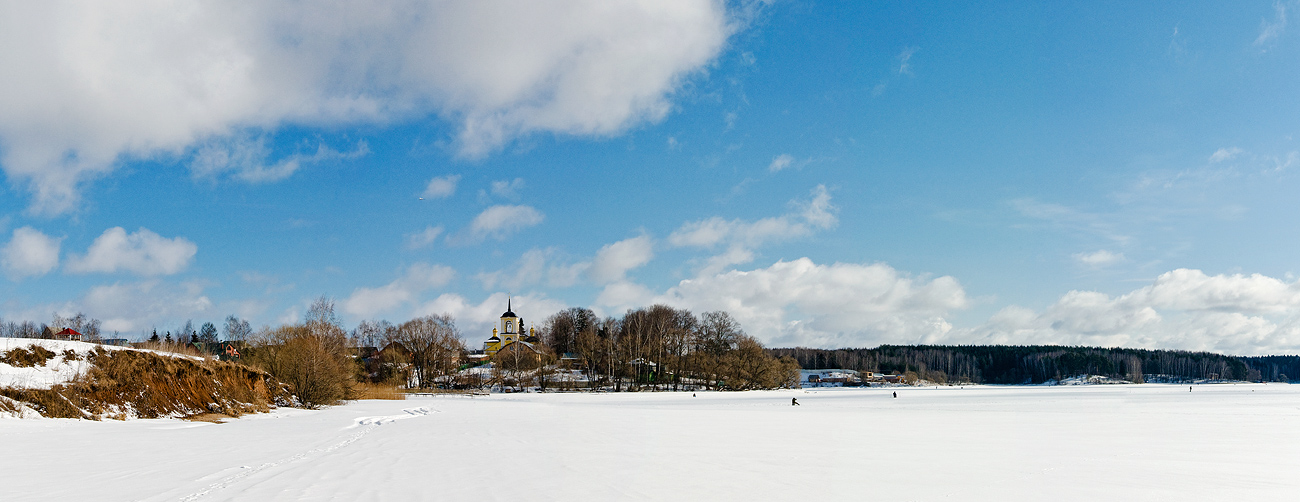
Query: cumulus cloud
[[1182, 309], [29, 253], [89, 85], [1099, 258], [418, 278], [613, 261], [441, 187], [544, 266], [131, 307], [142, 252], [741, 237], [536, 266], [423, 238], [800, 302], [500, 221]]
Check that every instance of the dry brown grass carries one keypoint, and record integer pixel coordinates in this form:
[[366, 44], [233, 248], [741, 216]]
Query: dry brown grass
[[378, 391], [150, 385], [174, 348], [215, 418], [10, 407], [24, 358]]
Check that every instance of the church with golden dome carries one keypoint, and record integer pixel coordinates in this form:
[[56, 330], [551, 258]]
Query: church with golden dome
[[510, 331]]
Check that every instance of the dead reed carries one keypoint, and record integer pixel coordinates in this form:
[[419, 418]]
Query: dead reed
[[365, 390]]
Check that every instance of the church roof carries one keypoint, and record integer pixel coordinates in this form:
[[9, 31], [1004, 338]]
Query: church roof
[[509, 312]]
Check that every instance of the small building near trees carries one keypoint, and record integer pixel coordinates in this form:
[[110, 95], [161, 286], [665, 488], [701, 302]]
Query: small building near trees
[[67, 334]]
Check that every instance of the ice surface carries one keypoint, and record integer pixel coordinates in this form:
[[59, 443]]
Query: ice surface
[[1129, 442]]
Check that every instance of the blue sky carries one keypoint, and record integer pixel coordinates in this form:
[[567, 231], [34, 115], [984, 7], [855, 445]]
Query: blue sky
[[831, 173]]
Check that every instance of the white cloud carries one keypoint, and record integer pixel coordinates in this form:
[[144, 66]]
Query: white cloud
[[423, 238], [420, 277], [246, 159], [1270, 30], [542, 266], [476, 321], [740, 237], [508, 189], [142, 252], [1223, 154], [818, 213], [29, 253], [89, 85], [613, 261], [1182, 309], [536, 266], [1099, 258], [780, 162], [803, 303], [442, 186], [132, 307], [500, 221]]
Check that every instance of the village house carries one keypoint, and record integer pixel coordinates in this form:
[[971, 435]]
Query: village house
[[67, 334]]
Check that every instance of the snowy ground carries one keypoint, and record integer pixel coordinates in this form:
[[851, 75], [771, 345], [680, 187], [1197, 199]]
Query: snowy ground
[[55, 371], [1129, 442]]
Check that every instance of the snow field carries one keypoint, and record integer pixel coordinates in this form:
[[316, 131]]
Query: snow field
[[55, 371], [1130, 442]]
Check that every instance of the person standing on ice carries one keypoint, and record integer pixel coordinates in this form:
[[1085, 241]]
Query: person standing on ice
[[794, 402], [895, 395]]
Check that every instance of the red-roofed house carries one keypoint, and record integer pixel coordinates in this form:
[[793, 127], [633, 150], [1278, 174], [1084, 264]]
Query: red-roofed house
[[68, 334]]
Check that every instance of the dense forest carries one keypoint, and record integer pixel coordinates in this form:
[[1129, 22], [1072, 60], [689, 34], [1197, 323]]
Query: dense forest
[[1017, 364]]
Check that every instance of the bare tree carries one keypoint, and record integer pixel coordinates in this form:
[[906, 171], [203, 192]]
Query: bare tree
[[435, 347], [236, 329]]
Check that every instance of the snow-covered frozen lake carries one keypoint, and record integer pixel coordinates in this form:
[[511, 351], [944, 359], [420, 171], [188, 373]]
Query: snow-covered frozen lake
[[1121, 442]]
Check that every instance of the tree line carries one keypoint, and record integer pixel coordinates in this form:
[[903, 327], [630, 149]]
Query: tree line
[[655, 348], [1028, 364], [663, 348], [89, 327]]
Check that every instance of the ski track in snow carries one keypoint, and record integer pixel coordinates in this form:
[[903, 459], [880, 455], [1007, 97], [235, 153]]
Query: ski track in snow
[[367, 424]]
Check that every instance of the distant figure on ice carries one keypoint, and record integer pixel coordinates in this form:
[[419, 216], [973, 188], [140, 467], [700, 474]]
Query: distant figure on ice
[[895, 395], [692, 394], [1189, 388], [794, 402]]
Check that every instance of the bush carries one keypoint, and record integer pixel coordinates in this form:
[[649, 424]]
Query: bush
[[312, 360]]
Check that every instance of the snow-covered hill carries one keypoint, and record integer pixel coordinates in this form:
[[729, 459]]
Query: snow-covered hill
[[67, 379], [69, 360]]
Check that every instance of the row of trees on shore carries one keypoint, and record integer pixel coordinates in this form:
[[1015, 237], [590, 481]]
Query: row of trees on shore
[[1020, 364], [655, 348]]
